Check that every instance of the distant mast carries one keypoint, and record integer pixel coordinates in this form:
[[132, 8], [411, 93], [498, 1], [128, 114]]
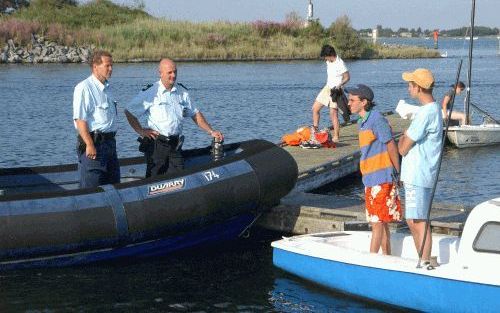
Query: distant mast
[[310, 13]]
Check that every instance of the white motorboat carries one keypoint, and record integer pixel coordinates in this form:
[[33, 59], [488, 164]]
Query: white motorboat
[[466, 280]]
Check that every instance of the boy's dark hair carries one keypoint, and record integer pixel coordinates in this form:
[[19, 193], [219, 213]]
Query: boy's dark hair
[[328, 51], [369, 104], [460, 85]]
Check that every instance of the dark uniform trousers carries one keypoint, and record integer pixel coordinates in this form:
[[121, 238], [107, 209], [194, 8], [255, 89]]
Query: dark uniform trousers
[[105, 169], [164, 155]]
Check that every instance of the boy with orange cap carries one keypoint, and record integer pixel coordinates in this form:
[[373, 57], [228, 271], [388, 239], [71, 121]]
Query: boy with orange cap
[[420, 147]]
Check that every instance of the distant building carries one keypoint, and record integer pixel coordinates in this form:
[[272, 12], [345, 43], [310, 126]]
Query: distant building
[[405, 35], [310, 13]]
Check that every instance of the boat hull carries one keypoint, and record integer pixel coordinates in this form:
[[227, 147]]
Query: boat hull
[[474, 136], [163, 246], [403, 289]]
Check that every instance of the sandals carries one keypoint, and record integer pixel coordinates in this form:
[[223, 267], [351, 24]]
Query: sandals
[[430, 265]]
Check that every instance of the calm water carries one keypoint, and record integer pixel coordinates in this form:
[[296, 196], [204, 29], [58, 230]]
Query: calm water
[[244, 100]]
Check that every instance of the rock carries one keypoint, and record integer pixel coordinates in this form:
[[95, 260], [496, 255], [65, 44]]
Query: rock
[[15, 59], [11, 44], [42, 51], [36, 50], [62, 59], [48, 59]]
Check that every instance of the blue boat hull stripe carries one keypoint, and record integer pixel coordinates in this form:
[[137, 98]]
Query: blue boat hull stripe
[[116, 203]]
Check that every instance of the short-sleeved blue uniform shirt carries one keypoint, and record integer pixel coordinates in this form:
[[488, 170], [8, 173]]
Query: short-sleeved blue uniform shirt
[[164, 110], [93, 103]]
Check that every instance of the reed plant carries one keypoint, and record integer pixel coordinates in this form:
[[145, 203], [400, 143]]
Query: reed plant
[[404, 52]]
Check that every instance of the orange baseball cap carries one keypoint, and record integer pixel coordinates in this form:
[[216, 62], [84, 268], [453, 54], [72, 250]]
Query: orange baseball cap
[[421, 76]]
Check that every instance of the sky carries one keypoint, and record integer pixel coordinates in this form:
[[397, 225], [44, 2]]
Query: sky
[[427, 14]]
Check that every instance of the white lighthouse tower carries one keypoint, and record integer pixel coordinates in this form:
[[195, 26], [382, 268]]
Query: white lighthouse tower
[[310, 13]]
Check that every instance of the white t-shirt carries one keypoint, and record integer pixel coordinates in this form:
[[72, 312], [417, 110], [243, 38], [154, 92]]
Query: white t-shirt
[[334, 71]]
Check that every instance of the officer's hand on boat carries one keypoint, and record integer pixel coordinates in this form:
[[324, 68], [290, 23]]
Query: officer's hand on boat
[[217, 134]]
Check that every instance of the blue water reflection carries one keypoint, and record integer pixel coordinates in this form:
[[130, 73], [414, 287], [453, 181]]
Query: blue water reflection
[[293, 295]]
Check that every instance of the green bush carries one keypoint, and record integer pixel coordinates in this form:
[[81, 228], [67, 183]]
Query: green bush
[[347, 40], [94, 14], [314, 31]]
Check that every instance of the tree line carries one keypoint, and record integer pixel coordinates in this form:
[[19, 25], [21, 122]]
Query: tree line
[[419, 32]]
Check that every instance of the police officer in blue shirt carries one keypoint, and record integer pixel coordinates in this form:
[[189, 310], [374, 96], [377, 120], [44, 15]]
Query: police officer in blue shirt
[[95, 114], [165, 105]]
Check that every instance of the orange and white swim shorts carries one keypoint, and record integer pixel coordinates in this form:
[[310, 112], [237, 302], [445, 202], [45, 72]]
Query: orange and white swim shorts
[[383, 203]]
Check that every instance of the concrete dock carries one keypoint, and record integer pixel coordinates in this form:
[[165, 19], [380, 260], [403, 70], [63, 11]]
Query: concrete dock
[[318, 167], [302, 212]]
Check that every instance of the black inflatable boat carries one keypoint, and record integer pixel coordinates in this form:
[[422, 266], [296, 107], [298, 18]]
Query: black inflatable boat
[[45, 220]]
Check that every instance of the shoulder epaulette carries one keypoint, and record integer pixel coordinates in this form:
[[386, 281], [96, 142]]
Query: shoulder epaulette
[[146, 87], [182, 86]]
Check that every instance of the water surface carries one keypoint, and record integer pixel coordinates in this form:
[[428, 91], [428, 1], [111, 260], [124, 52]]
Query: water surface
[[244, 100]]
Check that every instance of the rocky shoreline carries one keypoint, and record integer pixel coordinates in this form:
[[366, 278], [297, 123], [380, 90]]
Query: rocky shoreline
[[43, 51]]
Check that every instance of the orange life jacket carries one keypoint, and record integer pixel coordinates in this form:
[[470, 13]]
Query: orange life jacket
[[300, 135]]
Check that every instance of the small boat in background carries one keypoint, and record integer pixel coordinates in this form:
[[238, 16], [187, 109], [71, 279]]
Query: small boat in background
[[46, 220], [466, 280], [468, 135], [444, 54]]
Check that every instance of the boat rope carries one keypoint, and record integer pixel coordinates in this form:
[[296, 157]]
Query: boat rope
[[485, 114], [245, 233]]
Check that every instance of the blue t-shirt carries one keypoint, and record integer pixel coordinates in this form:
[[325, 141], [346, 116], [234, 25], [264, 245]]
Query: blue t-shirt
[[375, 162], [419, 166]]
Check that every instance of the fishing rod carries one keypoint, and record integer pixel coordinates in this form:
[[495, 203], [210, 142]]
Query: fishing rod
[[428, 218]]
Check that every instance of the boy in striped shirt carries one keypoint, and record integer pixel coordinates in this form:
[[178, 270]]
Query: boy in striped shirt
[[378, 164]]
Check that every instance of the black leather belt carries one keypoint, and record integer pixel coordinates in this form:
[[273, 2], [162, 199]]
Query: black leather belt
[[172, 138], [99, 137]]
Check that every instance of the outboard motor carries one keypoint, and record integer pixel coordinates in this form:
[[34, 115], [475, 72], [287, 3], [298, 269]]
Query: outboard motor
[[217, 149]]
